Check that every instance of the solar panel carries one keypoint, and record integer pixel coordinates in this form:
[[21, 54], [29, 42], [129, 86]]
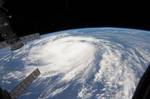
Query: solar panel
[[19, 89]]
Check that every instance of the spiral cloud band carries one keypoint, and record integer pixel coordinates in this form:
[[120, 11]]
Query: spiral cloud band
[[80, 64]]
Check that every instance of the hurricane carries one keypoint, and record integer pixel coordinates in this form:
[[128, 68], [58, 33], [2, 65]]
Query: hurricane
[[96, 63]]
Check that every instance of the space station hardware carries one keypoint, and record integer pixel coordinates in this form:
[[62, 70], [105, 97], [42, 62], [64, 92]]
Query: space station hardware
[[30, 37], [23, 39], [16, 45], [4, 94], [6, 31], [19, 89], [3, 44]]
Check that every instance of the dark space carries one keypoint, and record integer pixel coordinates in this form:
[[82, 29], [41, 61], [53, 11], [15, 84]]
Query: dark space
[[54, 15]]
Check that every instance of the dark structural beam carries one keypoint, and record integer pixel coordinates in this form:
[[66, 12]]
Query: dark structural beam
[[19, 89]]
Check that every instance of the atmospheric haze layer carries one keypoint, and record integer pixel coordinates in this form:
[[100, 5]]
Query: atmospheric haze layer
[[90, 63]]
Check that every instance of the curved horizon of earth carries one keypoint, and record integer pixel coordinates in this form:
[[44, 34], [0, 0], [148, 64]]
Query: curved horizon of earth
[[88, 63]]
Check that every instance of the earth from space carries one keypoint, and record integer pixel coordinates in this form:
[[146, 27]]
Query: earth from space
[[86, 63]]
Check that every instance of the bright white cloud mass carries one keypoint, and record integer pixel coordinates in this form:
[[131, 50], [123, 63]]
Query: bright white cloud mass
[[104, 63]]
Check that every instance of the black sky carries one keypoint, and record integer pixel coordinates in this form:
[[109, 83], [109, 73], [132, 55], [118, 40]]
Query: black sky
[[30, 16]]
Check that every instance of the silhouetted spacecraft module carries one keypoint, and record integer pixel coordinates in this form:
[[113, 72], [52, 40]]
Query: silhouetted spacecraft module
[[14, 43], [6, 31]]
